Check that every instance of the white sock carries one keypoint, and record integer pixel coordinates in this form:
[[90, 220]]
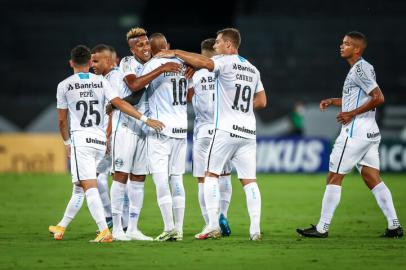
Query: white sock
[[254, 206], [202, 203], [331, 199], [126, 209], [103, 187], [73, 207], [96, 208], [136, 198], [384, 199], [117, 192], [164, 199], [225, 193], [178, 199], [212, 200]]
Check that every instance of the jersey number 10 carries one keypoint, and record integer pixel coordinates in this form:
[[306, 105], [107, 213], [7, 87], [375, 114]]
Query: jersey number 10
[[86, 108], [179, 94]]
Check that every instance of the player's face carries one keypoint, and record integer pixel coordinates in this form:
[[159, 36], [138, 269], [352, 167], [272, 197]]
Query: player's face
[[347, 48], [100, 63], [220, 46], [141, 48]]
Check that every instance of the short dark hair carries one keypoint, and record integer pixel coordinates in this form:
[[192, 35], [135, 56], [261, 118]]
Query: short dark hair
[[80, 55], [208, 44], [231, 34], [359, 36], [101, 48], [157, 35]]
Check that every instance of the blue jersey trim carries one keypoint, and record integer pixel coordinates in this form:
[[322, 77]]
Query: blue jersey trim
[[353, 121], [242, 59], [217, 102], [83, 76], [118, 121]]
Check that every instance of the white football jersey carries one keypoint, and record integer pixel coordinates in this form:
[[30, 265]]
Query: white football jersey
[[204, 84], [359, 82], [130, 65], [85, 96], [237, 82], [167, 98]]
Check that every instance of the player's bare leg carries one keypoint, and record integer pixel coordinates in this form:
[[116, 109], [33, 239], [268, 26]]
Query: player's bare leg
[[136, 200], [331, 199], [96, 209], [383, 197], [117, 193], [253, 197]]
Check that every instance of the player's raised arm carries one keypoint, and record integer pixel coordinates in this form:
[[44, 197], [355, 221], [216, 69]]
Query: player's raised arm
[[137, 83], [125, 107], [193, 59]]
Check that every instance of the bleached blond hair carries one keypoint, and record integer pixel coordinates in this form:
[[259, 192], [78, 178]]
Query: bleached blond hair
[[136, 32]]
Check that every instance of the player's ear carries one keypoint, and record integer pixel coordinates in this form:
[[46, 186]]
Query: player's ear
[[71, 63], [168, 46]]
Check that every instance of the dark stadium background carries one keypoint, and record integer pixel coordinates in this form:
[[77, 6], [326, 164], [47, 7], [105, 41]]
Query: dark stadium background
[[293, 43]]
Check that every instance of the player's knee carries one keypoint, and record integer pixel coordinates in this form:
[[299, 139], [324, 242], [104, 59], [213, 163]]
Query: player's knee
[[137, 178], [121, 177]]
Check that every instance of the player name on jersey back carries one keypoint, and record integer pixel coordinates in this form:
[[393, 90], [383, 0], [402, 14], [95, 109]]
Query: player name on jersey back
[[204, 84], [166, 96], [85, 96], [237, 83], [358, 84]]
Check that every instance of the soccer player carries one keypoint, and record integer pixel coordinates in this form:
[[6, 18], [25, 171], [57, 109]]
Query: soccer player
[[128, 139], [83, 96], [239, 91], [358, 142], [202, 97], [167, 149]]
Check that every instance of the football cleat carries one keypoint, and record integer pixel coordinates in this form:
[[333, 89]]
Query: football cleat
[[138, 235], [57, 231], [103, 237], [224, 226], [166, 236], [394, 233], [255, 237], [178, 236], [311, 232], [120, 236], [208, 233]]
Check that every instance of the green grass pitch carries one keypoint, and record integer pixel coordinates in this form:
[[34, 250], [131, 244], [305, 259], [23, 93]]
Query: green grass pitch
[[29, 203]]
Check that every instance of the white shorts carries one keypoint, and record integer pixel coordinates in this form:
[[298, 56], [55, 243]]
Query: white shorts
[[104, 166], [129, 152], [84, 161], [201, 148], [166, 154], [240, 151], [348, 153]]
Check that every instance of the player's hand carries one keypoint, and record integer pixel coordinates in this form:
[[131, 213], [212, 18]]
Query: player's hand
[[109, 108], [325, 103], [171, 67], [67, 148], [190, 71], [345, 117], [155, 124], [166, 54]]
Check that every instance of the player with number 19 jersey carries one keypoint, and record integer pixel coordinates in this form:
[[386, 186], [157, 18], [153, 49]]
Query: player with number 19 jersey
[[85, 94], [238, 81]]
